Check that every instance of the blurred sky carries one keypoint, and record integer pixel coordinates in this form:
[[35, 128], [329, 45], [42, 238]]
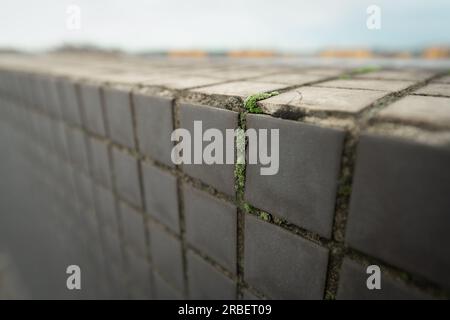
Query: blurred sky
[[286, 25]]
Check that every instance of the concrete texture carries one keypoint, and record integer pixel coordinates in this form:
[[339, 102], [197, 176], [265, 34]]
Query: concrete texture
[[435, 89], [119, 116], [70, 102], [310, 99], [112, 245], [91, 102], [77, 147], [100, 163], [352, 286], [308, 171], [219, 176], [206, 282], [166, 256], [161, 198], [181, 83], [127, 176], [86, 178], [412, 75], [368, 84], [247, 295], [203, 215], [414, 225], [432, 111], [291, 79], [163, 291], [140, 277], [133, 230], [240, 88], [280, 264], [105, 205], [59, 139], [85, 196], [154, 126], [445, 79]]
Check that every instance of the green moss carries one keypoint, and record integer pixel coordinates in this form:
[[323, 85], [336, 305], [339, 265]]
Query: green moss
[[404, 276], [346, 190], [250, 106], [330, 296], [248, 208], [242, 121], [345, 77], [265, 216], [366, 69], [277, 221], [250, 103], [239, 173]]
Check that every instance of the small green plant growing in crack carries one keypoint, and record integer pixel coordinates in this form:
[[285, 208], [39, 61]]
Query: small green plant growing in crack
[[239, 173], [345, 190], [250, 106], [265, 216], [250, 103]]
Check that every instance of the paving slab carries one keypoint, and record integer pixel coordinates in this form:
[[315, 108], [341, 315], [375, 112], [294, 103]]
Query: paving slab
[[154, 126], [70, 102], [166, 255], [434, 111], [316, 99], [399, 205], [445, 79], [211, 226], [353, 286], [368, 84], [133, 230], [161, 196], [163, 290], [119, 116], [127, 177], [106, 207], [282, 265], [219, 176], [291, 79], [240, 88], [303, 191], [100, 163], [411, 75], [435, 89], [91, 104], [207, 283]]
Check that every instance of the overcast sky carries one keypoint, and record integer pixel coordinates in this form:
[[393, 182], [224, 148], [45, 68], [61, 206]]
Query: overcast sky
[[136, 25]]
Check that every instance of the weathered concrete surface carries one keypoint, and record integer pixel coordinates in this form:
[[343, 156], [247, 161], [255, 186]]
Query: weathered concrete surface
[[87, 178]]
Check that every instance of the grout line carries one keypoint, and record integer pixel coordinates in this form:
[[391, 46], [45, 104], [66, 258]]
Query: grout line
[[412, 281], [143, 203], [346, 174], [92, 184], [180, 197], [212, 263], [363, 120], [283, 224], [118, 213], [239, 173]]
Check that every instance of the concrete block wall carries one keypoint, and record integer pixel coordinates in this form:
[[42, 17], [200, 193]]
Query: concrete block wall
[[364, 178]]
